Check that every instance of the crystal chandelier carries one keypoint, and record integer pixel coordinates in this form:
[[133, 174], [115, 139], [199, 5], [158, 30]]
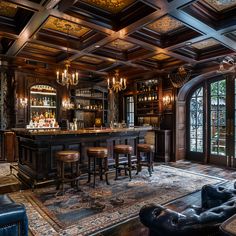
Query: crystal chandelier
[[65, 77], [116, 82]]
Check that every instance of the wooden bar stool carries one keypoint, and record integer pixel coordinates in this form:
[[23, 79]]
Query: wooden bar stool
[[147, 149], [67, 157], [123, 149], [98, 154]]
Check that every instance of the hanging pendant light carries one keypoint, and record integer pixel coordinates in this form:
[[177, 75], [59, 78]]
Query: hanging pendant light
[[66, 77]]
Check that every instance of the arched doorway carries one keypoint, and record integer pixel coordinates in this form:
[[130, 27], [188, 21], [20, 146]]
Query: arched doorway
[[205, 114]]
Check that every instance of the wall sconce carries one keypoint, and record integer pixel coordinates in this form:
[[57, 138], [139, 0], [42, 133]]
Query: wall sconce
[[66, 104], [23, 102], [166, 100]]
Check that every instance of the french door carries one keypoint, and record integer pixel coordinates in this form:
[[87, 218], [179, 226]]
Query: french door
[[211, 122]]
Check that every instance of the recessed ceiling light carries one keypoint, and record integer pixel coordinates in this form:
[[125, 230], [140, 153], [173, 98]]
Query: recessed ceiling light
[[188, 43], [97, 46]]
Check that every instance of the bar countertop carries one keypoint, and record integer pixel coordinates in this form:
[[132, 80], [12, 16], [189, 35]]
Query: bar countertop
[[38, 132]]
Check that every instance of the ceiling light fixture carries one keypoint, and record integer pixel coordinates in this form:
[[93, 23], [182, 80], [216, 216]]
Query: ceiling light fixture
[[67, 78], [116, 83], [227, 65], [180, 77]]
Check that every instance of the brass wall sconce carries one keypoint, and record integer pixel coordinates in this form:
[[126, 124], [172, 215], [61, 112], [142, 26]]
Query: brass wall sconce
[[23, 102], [166, 100], [66, 104]]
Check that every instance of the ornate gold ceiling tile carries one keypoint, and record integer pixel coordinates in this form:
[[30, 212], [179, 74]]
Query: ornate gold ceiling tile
[[121, 45], [8, 9], [112, 6], [165, 25], [205, 43], [220, 5], [161, 57], [42, 47], [92, 60], [65, 26]]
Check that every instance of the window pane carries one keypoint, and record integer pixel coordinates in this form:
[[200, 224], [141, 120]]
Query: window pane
[[218, 117], [130, 110], [196, 121]]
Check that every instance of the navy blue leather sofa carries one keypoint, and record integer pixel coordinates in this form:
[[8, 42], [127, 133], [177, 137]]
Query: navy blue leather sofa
[[13, 218]]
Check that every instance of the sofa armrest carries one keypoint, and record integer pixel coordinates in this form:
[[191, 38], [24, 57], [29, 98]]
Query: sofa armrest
[[12, 213]]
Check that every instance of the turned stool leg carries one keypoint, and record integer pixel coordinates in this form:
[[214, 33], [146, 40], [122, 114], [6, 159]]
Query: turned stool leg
[[139, 168], [100, 168], [62, 176], [117, 165], [106, 169], [129, 166], [89, 171], [149, 159], [58, 175], [94, 171], [77, 174]]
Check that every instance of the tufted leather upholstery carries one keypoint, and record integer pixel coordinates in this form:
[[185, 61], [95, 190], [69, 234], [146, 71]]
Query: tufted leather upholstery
[[218, 204], [123, 149], [13, 218], [68, 156], [144, 147]]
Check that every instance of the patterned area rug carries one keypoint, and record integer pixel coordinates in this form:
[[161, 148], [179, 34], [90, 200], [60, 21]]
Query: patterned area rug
[[91, 210]]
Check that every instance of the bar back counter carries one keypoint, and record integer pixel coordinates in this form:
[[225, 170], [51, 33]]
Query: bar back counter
[[37, 149]]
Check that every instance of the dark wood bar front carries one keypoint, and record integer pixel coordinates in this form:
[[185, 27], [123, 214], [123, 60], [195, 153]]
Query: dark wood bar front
[[37, 163]]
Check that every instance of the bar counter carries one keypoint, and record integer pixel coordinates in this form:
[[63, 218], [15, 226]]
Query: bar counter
[[37, 163]]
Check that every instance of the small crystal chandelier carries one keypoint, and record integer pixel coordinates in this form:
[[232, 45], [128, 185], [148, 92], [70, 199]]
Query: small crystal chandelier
[[66, 78], [116, 82]]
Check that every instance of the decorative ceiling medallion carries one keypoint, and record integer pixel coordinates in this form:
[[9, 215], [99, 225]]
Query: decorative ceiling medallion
[[8, 9], [161, 57], [112, 6], [62, 26], [121, 45], [42, 47], [165, 25], [205, 43], [220, 5], [91, 60]]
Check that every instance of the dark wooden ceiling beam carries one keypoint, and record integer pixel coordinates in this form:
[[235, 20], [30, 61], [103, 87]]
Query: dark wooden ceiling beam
[[27, 5], [33, 25]]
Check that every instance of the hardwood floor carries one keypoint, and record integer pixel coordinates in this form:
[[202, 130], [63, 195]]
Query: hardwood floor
[[134, 227]]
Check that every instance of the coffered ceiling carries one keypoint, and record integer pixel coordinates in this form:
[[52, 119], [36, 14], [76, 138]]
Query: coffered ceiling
[[99, 36]]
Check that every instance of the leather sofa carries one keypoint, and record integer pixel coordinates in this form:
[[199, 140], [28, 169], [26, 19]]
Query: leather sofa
[[217, 205], [13, 218]]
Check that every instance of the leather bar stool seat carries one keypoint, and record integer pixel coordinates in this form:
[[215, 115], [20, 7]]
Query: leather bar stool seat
[[72, 158], [123, 149], [99, 155], [148, 150]]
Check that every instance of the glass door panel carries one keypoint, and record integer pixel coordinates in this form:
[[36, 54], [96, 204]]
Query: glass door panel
[[218, 118], [196, 121]]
